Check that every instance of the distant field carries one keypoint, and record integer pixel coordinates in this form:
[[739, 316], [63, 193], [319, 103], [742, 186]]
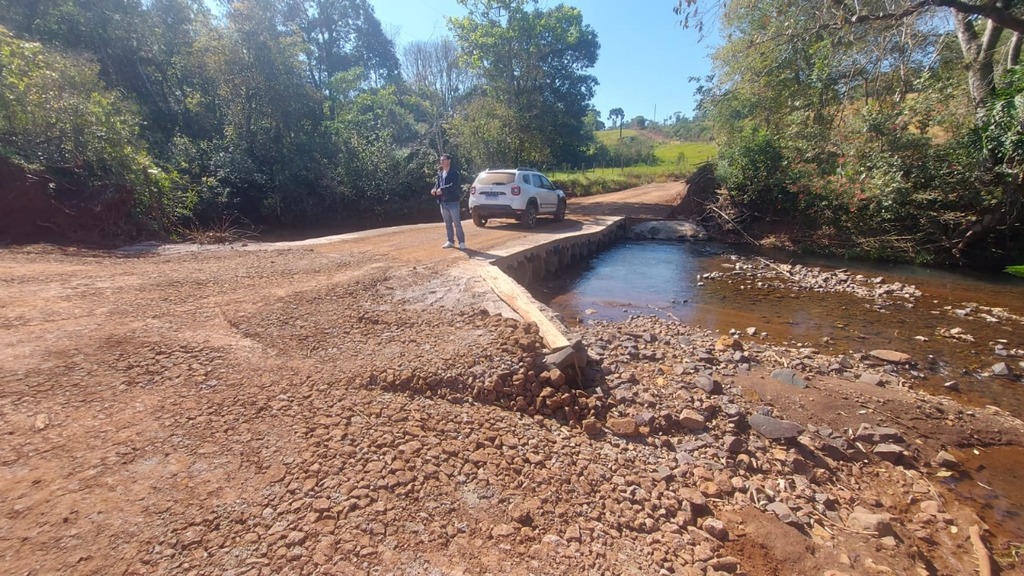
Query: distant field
[[674, 157], [676, 160]]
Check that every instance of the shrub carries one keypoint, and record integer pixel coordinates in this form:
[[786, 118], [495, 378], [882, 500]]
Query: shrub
[[756, 174], [56, 114]]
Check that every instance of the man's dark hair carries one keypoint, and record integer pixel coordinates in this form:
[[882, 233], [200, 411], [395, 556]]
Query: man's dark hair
[[445, 157]]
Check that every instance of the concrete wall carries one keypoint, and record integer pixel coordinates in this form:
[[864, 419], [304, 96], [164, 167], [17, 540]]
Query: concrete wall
[[535, 263]]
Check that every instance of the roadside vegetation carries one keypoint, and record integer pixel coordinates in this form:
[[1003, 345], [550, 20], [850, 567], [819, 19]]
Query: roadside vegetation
[[276, 113], [889, 132], [635, 158]]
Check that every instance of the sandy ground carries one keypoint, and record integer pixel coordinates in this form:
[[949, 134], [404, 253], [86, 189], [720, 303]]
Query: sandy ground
[[273, 409]]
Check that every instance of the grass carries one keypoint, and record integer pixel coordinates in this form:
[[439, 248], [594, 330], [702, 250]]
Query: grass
[[676, 160]]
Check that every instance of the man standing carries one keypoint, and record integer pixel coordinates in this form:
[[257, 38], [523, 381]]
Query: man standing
[[448, 193]]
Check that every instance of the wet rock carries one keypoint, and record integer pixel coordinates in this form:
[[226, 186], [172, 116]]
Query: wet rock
[[789, 377], [955, 334], [1001, 369], [946, 460], [773, 428], [890, 356], [668, 230]]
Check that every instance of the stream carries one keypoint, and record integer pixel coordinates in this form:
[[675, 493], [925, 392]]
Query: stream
[[963, 330]]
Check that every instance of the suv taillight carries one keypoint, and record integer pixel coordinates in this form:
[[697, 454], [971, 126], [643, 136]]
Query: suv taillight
[[472, 190], [516, 190]]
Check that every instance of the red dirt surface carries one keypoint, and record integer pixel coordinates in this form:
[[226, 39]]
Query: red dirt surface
[[213, 410]]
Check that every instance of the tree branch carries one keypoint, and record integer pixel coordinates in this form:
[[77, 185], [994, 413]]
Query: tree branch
[[996, 12]]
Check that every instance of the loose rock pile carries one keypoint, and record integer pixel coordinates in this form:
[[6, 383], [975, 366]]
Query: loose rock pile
[[687, 447], [762, 273]]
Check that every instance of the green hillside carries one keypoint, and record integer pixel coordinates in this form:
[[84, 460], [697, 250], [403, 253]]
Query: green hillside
[[676, 160]]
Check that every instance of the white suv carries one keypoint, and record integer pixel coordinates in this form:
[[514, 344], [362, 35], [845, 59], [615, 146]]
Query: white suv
[[520, 194]]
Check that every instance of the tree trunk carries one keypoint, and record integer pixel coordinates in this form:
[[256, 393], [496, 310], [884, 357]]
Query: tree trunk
[[979, 56], [1013, 58]]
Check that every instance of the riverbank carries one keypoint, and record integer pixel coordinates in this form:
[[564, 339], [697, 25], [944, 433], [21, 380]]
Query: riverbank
[[364, 405]]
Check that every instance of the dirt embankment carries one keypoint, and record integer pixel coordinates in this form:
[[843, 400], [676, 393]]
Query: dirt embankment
[[353, 406]]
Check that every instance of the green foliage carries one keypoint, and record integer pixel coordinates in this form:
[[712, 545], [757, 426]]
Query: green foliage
[[491, 134], [55, 112], [1016, 270], [601, 182], [632, 151], [1003, 126], [756, 174], [533, 63], [671, 159], [340, 35], [864, 135]]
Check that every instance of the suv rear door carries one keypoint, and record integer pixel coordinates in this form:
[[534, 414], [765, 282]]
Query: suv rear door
[[546, 194]]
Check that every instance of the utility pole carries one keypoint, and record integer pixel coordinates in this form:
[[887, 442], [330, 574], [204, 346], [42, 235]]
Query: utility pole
[[655, 113]]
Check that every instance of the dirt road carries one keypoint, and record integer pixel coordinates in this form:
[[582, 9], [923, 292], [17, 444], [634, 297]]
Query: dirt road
[[315, 408]]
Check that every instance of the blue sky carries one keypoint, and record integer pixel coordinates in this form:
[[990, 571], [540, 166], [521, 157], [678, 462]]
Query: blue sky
[[644, 62]]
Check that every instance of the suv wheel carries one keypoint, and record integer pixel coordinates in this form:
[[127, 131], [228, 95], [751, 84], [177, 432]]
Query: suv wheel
[[479, 220], [560, 211], [529, 217]]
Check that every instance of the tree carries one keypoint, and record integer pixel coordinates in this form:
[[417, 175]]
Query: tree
[[341, 35], [617, 115], [533, 62], [594, 123], [847, 113], [842, 17], [638, 123], [434, 68], [56, 114]]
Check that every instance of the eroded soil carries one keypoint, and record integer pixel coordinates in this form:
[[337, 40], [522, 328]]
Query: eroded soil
[[350, 407]]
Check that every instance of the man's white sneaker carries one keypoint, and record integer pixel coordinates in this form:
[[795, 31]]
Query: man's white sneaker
[[447, 245], [462, 245]]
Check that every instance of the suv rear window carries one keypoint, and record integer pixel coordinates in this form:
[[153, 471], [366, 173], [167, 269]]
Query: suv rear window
[[496, 178]]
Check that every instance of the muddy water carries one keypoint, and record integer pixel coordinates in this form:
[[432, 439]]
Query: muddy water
[[663, 278]]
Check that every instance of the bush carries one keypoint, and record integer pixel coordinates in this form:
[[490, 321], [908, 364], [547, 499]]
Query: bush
[[756, 175], [56, 114]]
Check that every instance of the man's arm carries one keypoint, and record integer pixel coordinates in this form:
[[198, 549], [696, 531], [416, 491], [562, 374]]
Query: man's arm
[[452, 179]]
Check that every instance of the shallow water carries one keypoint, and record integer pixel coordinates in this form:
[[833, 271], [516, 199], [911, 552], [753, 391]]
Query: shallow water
[[663, 278]]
